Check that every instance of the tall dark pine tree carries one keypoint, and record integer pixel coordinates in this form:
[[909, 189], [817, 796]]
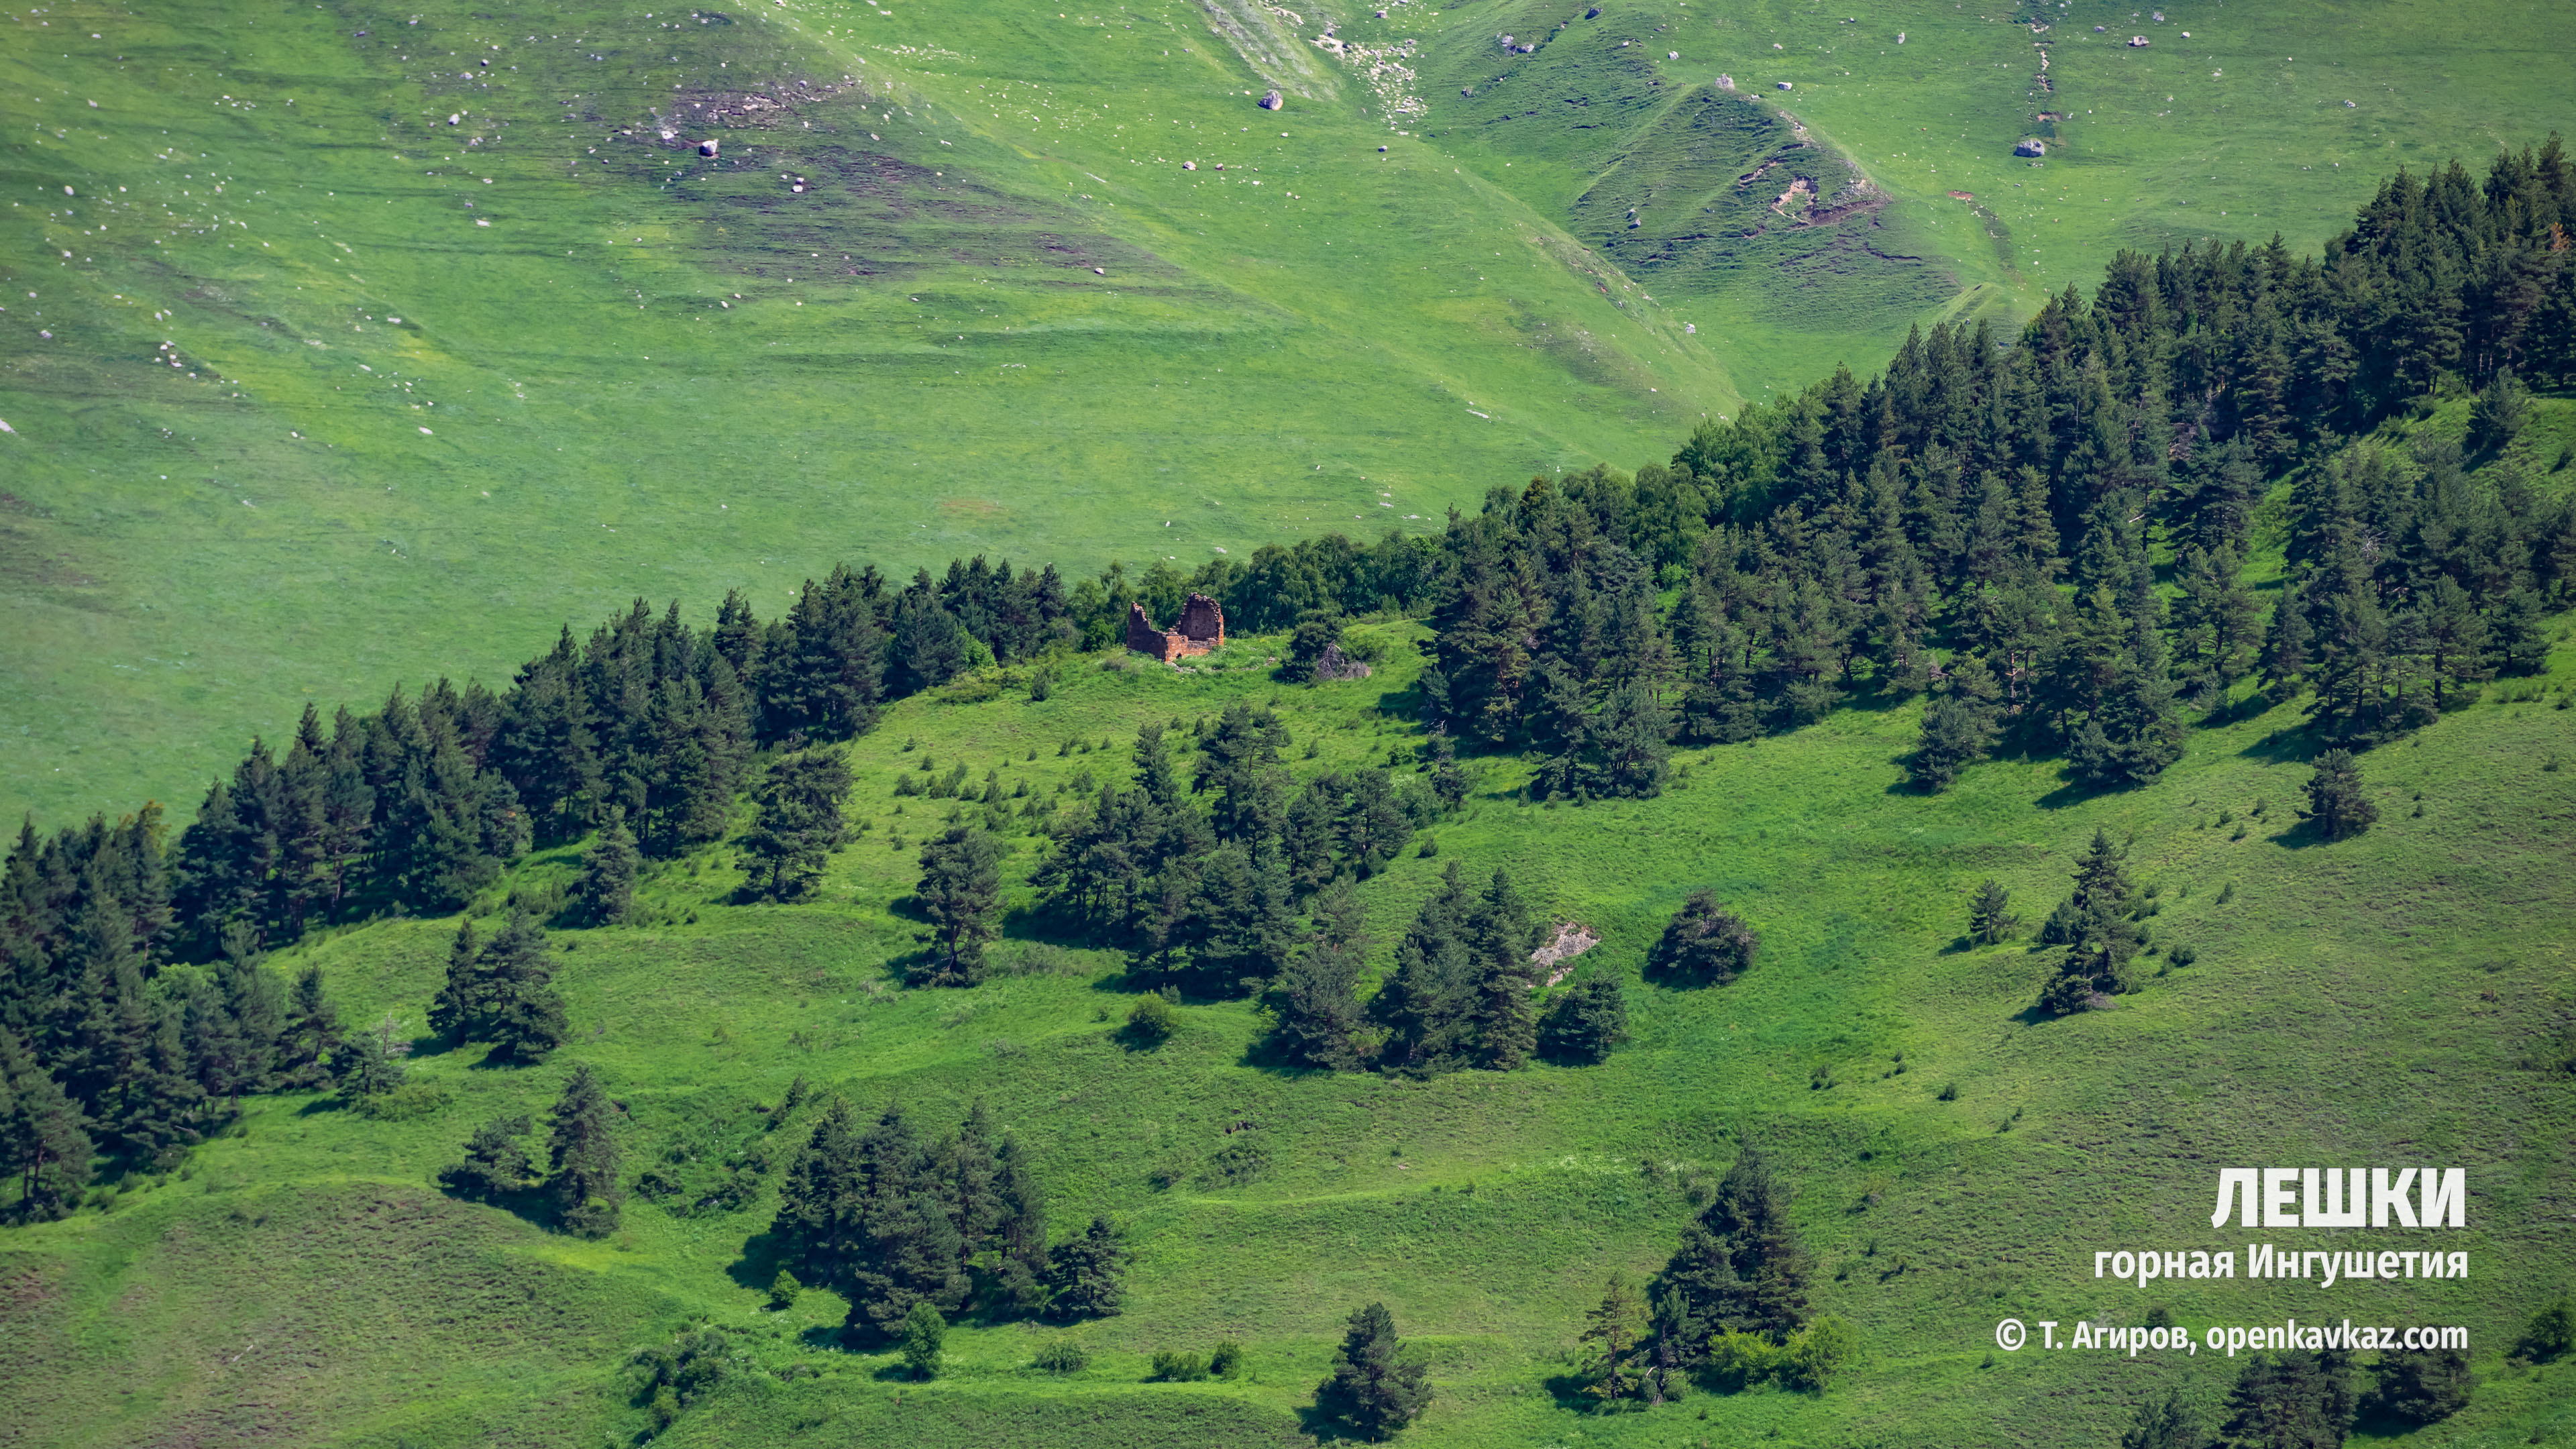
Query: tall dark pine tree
[[525, 1013], [799, 823], [44, 1140], [582, 1179], [1318, 1022], [605, 888], [1740, 1267], [2099, 928], [1376, 1388], [961, 892], [1087, 1273]]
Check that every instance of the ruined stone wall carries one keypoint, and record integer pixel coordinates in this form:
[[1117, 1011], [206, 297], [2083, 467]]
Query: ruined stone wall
[[1201, 629], [1203, 623]]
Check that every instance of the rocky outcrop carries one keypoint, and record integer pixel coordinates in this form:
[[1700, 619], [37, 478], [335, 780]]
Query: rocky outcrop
[[1334, 664]]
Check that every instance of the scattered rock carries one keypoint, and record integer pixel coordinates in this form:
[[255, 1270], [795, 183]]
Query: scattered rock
[[1592, 14], [2030, 146], [1726, 82], [1272, 102], [2138, 41], [1189, 166], [1784, 85], [1334, 664], [1569, 940], [707, 147]]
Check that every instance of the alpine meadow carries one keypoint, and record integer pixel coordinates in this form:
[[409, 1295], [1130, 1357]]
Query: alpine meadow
[[1483, 723]]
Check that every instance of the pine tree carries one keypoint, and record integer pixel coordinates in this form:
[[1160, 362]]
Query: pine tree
[[495, 1167], [2335, 798], [1583, 1022], [1375, 1389], [1619, 1365], [2293, 1400], [1629, 740], [582, 1180], [908, 1247], [1956, 733], [2101, 933], [44, 1139], [799, 823], [1019, 1233], [1317, 1012], [1502, 1021], [376, 1061], [462, 1009], [1740, 1266], [961, 892], [2421, 1386], [523, 1013], [2287, 642], [1087, 1273], [2162, 1423], [606, 886], [1989, 916], [1704, 944]]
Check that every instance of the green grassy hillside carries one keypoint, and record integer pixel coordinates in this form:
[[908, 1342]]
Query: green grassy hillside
[[299, 369], [1957, 1159]]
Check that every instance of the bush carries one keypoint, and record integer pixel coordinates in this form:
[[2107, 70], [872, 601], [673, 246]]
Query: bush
[[1227, 1361], [2551, 1335], [1151, 1021], [925, 1333], [1704, 945], [1063, 1356], [1173, 1366], [2423, 1386], [783, 1290]]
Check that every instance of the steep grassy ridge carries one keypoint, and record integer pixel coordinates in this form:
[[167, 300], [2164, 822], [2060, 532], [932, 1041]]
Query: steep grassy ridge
[[999, 316], [619, 365]]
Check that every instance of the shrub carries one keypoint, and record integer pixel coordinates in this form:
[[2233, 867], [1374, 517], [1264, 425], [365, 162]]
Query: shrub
[[1227, 1361], [1151, 1021], [1705, 944], [2551, 1335], [925, 1333], [1173, 1366], [1063, 1356], [2422, 1386], [783, 1290]]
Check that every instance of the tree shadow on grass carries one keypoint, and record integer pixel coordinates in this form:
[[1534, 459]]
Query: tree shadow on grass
[[2303, 835], [763, 1254], [1324, 1429]]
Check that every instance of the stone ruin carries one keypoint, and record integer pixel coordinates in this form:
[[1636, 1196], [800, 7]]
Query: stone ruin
[[1201, 628]]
